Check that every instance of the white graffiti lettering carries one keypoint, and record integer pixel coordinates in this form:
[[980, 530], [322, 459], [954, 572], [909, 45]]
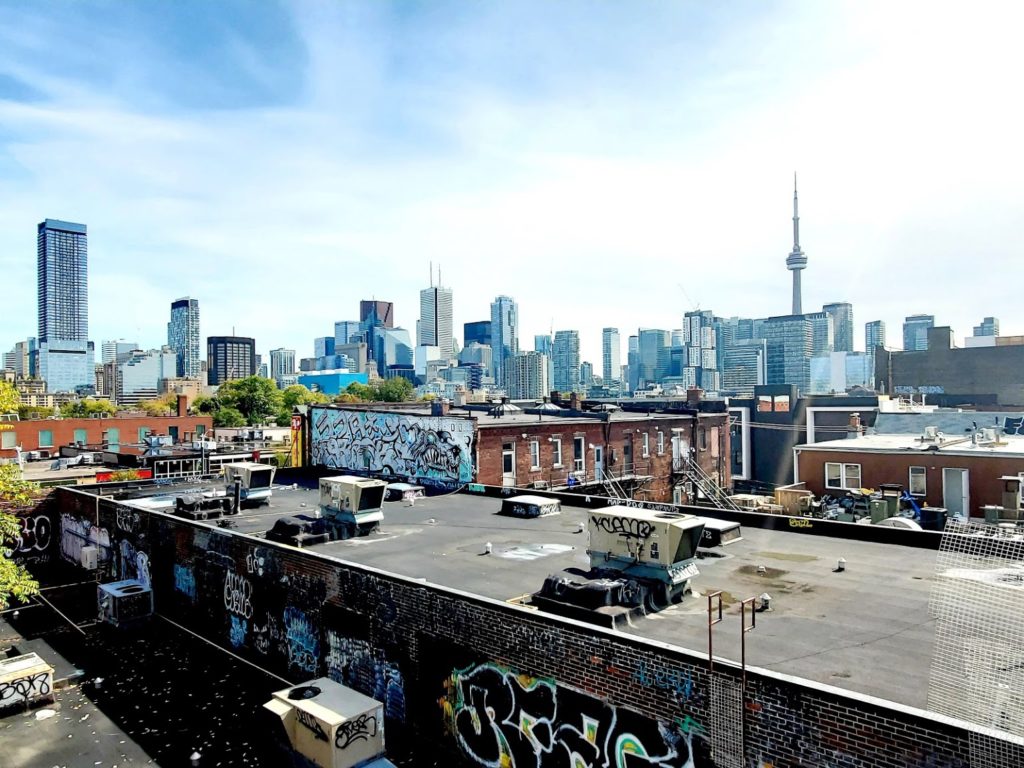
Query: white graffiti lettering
[[238, 594]]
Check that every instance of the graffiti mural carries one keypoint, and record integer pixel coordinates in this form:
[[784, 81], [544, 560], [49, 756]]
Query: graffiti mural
[[33, 542], [431, 448], [185, 581], [132, 564], [358, 665], [75, 534], [501, 719], [303, 640], [239, 629]]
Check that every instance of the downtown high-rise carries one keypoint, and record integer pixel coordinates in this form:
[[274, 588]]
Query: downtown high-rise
[[504, 334], [566, 354], [611, 351], [874, 335], [64, 354], [435, 326], [183, 336]]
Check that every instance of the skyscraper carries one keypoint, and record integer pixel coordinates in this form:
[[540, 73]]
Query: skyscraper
[[344, 330], [566, 353], [611, 351], [699, 339], [842, 325], [743, 366], [230, 357], [282, 363], [111, 350], [796, 262], [183, 336], [478, 331], [822, 333], [788, 340], [373, 312], [434, 328], [874, 335], [915, 332], [989, 327], [528, 376], [64, 355], [653, 355], [504, 334]]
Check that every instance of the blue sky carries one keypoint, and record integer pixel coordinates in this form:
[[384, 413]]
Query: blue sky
[[603, 163]]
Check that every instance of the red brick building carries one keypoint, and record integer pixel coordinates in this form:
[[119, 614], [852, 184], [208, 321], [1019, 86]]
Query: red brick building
[[960, 473], [48, 435], [645, 454]]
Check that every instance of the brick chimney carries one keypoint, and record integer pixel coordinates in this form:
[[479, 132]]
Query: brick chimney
[[694, 396], [574, 402], [182, 405], [439, 407]]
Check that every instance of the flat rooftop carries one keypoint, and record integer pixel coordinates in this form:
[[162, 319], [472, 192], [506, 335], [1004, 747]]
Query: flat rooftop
[[866, 629]]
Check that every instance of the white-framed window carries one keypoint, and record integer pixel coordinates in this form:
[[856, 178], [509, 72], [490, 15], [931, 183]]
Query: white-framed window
[[646, 445], [534, 454], [842, 476], [918, 481], [556, 451], [8, 439], [579, 455], [661, 443]]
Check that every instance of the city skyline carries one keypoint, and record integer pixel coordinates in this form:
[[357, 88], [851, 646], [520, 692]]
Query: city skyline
[[163, 175]]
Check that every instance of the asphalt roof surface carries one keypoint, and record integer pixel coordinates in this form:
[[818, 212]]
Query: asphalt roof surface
[[866, 628]]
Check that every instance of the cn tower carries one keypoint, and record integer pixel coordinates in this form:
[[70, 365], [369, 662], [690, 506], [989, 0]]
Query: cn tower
[[796, 261]]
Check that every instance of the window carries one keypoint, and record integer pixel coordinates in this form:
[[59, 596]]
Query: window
[[534, 455], [8, 439], [144, 432], [661, 443], [556, 451], [919, 480], [702, 439], [81, 436], [843, 476], [508, 459], [113, 436], [579, 458], [45, 438], [646, 445]]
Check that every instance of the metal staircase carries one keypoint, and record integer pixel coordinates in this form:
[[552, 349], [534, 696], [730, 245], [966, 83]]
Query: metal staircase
[[709, 489]]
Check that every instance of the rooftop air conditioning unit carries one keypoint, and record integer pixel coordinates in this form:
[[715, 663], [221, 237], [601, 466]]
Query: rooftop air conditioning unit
[[25, 680], [332, 726], [90, 556], [123, 603]]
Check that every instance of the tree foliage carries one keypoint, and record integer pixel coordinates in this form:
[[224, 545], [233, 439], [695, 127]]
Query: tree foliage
[[15, 582], [10, 400], [256, 398], [395, 390], [226, 416], [87, 408], [165, 405], [297, 394]]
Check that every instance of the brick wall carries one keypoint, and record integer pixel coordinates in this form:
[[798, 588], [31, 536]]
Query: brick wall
[[473, 681], [712, 453], [62, 431]]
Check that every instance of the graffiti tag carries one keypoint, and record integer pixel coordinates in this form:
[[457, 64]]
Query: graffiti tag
[[799, 522], [24, 688], [312, 724], [624, 526], [362, 728], [303, 642], [238, 594]]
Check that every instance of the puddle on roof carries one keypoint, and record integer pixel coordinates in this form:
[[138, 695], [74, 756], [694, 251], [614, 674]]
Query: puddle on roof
[[533, 551], [791, 556]]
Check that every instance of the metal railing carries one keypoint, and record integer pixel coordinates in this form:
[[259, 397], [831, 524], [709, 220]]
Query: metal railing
[[710, 490]]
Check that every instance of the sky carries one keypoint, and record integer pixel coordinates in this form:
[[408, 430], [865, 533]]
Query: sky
[[606, 164]]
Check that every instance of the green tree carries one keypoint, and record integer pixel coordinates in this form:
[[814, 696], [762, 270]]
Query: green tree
[[361, 391], [297, 394], [205, 405], [10, 400], [226, 416], [26, 412], [396, 390], [257, 399], [87, 408], [15, 582], [161, 406]]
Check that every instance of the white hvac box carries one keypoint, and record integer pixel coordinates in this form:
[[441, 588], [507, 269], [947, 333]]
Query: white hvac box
[[25, 680], [329, 724]]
